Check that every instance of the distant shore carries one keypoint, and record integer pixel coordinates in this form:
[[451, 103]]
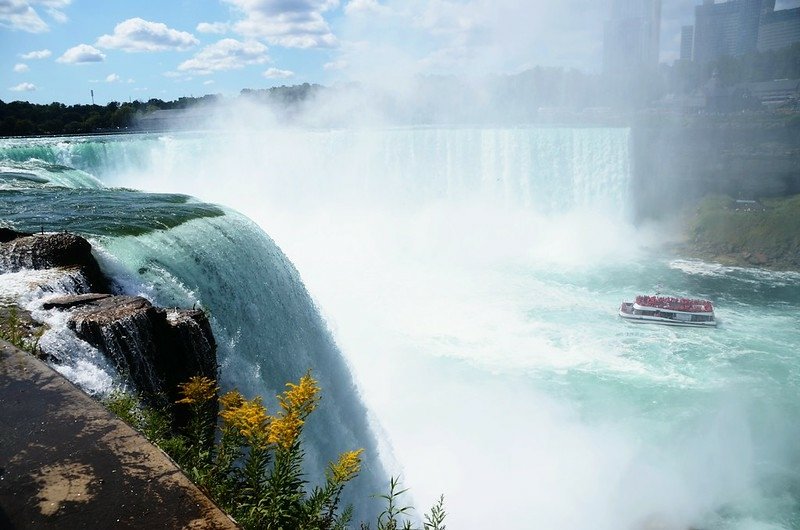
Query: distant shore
[[763, 233]]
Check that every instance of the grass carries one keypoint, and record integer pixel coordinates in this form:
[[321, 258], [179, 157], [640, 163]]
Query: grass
[[20, 332], [773, 231]]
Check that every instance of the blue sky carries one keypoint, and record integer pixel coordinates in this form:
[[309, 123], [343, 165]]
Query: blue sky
[[59, 50]]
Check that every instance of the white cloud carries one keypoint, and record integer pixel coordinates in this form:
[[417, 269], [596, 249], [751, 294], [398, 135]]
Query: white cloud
[[82, 53], [287, 23], [227, 54], [275, 73], [21, 67], [208, 82], [54, 9], [139, 35], [38, 54], [112, 78], [21, 14], [58, 16], [213, 27], [354, 7], [413, 37], [336, 65], [23, 87]]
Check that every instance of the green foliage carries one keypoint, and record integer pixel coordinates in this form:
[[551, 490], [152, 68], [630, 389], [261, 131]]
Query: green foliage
[[14, 330], [395, 516], [435, 519], [772, 228], [390, 517], [154, 424], [126, 406], [250, 462], [20, 118]]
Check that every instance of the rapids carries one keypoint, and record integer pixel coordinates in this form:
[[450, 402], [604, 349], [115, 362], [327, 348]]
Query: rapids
[[470, 278]]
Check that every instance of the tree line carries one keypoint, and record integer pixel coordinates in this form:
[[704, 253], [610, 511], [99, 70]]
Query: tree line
[[20, 118], [518, 96]]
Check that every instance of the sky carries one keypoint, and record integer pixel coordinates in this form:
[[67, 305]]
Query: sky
[[122, 50]]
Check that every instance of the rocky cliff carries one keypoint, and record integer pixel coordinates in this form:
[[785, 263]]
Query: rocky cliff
[[154, 348]]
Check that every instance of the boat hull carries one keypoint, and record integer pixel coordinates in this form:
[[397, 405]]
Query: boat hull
[[638, 319], [626, 311]]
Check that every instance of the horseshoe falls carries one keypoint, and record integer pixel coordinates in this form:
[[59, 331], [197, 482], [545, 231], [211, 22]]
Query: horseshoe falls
[[466, 281]]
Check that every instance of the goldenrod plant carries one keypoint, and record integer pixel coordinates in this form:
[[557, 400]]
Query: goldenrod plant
[[199, 394], [252, 465], [250, 461]]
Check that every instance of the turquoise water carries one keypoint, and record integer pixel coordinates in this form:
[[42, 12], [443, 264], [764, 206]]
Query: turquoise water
[[471, 279]]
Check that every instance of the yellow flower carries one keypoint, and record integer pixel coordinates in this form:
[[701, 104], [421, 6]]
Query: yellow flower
[[301, 398], [347, 467], [284, 430], [231, 401], [197, 390], [250, 417]]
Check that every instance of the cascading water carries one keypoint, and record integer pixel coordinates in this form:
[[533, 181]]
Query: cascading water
[[471, 277], [178, 252]]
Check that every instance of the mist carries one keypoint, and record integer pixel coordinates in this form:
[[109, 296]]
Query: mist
[[470, 274], [461, 202]]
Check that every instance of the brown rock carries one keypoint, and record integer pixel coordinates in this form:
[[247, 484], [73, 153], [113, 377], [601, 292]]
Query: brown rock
[[45, 251], [75, 300], [157, 348]]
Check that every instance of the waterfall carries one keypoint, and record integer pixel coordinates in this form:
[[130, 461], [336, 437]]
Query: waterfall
[[184, 253], [462, 284], [544, 169]]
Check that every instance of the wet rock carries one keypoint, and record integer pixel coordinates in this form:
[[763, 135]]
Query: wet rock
[[45, 251], [153, 348], [156, 348], [7, 234], [74, 300]]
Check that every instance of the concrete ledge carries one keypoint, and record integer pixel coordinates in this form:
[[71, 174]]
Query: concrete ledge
[[66, 462]]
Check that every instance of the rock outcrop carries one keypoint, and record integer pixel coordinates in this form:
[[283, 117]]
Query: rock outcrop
[[19, 250], [155, 348]]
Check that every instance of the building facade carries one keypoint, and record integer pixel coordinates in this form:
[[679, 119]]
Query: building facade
[[687, 43], [729, 28], [779, 29], [738, 27], [631, 36]]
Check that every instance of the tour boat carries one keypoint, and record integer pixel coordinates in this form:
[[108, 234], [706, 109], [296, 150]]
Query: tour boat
[[669, 310]]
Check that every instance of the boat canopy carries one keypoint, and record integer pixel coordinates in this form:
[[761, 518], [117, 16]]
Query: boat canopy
[[672, 303]]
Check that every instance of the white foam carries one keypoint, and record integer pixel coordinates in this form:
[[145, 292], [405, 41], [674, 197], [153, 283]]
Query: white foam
[[79, 362], [744, 274]]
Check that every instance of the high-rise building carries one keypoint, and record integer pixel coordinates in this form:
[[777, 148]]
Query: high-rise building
[[779, 29], [687, 42], [728, 28], [631, 36]]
